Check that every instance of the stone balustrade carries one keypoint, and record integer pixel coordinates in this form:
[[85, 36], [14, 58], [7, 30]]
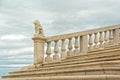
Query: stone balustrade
[[73, 44], [84, 41]]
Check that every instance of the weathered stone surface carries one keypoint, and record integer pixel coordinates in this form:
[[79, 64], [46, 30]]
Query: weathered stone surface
[[91, 58]]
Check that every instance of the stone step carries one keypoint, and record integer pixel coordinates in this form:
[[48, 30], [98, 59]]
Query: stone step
[[93, 56], [78, 61], [83, 77], [107, 67], [75, 64], [94, 60]]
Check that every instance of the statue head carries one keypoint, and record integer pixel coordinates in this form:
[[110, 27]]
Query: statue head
[[37, 22]]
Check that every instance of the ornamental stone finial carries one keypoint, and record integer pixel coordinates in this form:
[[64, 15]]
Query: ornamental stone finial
[[38, 28]]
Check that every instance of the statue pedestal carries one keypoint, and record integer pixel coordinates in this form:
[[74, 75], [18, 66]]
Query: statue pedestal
[[38, 49]]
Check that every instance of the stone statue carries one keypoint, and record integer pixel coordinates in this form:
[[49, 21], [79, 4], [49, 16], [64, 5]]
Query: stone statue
[[38, 28]]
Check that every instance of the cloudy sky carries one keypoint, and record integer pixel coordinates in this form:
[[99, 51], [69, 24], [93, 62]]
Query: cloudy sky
[[56, 17]]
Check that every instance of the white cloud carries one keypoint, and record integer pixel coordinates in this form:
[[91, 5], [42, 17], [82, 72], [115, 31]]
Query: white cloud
[[15, 65], [13, 37], [17, 51], [26, 57], [21, 50]]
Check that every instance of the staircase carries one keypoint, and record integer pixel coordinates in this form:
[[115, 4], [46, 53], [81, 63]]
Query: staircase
[[92, 55]]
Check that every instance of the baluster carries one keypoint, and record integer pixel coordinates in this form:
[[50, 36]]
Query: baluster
[[90, 42], [111, 37], [70, 47], [48, 52], [56, 50], [63, 49], [101, 40], [76, 45], [96, 41], [105, 38]]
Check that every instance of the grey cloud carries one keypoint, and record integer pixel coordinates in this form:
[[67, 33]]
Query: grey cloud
[[16, 52], [15, 44], [98, 19], [71, 5], [56, 16], [8, 62], [16, 57]]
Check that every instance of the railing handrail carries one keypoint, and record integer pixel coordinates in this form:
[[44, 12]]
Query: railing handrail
[[81, 33]]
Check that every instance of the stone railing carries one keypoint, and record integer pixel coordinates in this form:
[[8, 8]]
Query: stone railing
[[78, 43]]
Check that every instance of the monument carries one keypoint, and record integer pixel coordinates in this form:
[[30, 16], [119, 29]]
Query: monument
[[89, 55]]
